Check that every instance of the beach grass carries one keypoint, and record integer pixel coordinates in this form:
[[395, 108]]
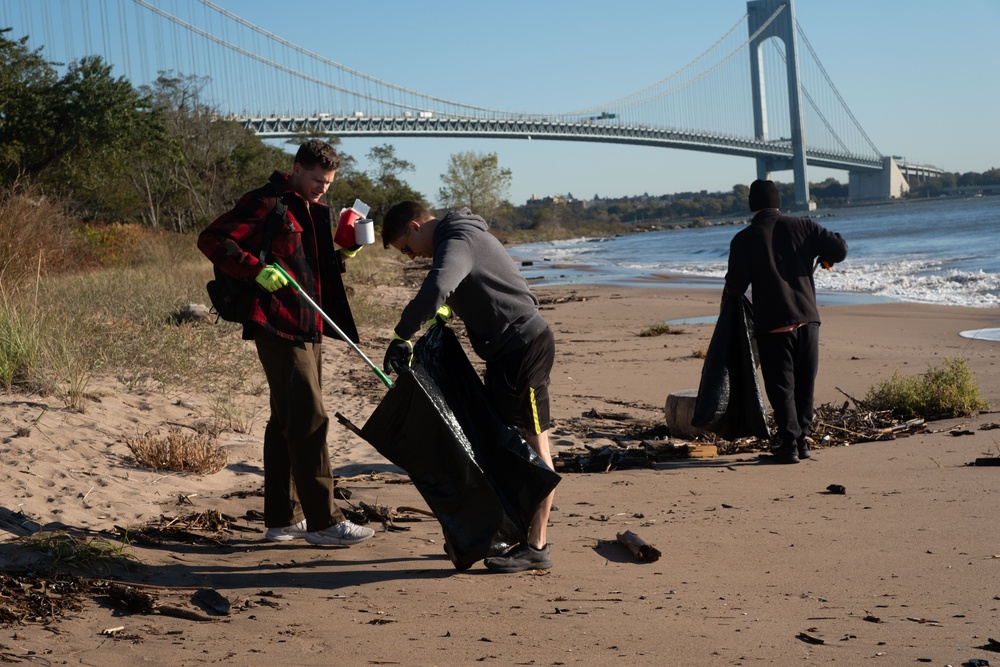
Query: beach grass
[[94, 556], [177, 451], [659, 329], [939, 393], [121, 316]]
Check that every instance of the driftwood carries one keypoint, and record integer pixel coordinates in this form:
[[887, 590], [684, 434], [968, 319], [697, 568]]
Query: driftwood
[[619, 457], [639, 547], [988, 461], [348, 424]]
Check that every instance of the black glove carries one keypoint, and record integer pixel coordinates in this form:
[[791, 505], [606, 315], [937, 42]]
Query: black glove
[[398, 356]]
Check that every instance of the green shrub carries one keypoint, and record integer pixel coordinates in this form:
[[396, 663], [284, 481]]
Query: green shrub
[[657, 330], [940, 393]]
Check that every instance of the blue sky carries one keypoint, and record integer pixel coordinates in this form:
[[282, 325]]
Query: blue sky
[[922, 79]]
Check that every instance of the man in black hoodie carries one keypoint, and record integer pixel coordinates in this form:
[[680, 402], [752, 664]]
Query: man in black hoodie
[[474, 275], [776, 256]]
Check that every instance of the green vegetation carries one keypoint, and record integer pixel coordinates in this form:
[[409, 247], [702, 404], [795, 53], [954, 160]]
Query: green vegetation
[[59, 328], [939, 393], [936, 187], [475, 180], [94, 556], [659, 329]]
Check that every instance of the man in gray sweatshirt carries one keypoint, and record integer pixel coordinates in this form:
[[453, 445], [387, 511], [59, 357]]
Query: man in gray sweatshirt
[[474, 275]]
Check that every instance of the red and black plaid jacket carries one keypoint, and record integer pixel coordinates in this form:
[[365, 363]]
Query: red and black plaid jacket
[[304, 248]]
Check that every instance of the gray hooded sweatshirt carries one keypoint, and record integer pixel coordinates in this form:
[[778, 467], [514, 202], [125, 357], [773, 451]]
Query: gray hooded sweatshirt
[[473, 273]]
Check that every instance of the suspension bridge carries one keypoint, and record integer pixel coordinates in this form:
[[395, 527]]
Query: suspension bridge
[[760, 91]]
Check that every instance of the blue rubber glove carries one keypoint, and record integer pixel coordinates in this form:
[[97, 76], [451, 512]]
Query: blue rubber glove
[[270, 279], [398, 356], [441, 317]]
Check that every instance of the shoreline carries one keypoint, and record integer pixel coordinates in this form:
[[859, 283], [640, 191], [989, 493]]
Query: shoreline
[[912, 255], [685, 281]]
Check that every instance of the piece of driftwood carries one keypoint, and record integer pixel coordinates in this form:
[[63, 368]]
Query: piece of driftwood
[[17, 522], [639, 547], [988, 461], [182, 612], [617, 457], [214, 600], [347, 423]]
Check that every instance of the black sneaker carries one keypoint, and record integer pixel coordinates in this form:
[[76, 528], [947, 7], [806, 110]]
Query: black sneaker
[[786, 455], [520, 558]]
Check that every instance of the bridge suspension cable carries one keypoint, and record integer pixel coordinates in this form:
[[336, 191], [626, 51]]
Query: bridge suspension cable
[[829, 81], [239, 66]]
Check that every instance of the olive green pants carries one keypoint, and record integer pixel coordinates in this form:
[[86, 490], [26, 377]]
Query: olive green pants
[[298, 481]]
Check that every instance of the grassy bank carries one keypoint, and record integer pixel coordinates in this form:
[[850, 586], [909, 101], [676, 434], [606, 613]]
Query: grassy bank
[[59, 328]]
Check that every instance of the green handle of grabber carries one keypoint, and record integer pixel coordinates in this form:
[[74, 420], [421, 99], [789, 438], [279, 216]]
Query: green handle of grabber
[[291, 281]]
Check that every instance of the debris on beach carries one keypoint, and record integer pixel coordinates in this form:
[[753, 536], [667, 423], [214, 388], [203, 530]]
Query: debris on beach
[[44, 599], [623, 457], [642, 550], [845, 425], [634, 443], [212, 526], [640, 443], [30, 598], [17, 522], [366, 513], [809, 639]]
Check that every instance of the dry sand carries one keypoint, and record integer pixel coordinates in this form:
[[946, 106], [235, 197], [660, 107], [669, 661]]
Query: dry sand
[[904, 567]]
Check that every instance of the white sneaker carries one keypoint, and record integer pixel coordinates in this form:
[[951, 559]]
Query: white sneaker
[[344, 532], [286, 533]]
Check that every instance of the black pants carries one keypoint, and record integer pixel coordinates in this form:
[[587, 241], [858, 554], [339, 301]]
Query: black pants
[[789, 362]]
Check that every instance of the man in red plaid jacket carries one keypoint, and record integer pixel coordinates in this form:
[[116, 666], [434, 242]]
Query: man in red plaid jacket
[[298, 481]]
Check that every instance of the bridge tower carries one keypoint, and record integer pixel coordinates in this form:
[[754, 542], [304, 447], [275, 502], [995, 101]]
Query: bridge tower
[[783, 28]]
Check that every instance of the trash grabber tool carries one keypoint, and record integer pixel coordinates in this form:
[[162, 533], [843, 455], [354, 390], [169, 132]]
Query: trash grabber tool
[[291, 281]]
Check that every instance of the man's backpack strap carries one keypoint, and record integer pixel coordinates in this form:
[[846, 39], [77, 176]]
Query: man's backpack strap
[[276, 218], [233, 298]]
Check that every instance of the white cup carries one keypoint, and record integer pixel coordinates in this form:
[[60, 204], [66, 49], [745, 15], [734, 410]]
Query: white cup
[[364, 232]]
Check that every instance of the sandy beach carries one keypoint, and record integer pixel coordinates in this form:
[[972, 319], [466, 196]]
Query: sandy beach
[[760, 564]]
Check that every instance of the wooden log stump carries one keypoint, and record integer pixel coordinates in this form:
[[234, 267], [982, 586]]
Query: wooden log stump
[[678, 411]]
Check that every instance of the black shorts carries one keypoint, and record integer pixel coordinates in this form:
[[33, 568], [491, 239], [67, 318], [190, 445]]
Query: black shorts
[[518, 384]]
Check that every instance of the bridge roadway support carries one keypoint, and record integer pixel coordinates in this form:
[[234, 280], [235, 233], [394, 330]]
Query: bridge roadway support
[[889, 183], [783, 28]]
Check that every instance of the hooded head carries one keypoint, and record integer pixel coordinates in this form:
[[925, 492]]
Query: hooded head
[[763, 194]]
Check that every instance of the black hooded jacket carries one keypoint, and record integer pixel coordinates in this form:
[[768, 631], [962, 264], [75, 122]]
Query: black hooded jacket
[[776, 256]]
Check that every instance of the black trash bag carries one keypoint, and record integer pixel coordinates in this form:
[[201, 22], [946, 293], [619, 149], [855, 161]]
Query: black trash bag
[[729, 402], [479, 477]]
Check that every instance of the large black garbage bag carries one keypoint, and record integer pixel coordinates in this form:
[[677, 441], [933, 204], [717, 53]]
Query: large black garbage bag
[[729, 401], [479, 477]]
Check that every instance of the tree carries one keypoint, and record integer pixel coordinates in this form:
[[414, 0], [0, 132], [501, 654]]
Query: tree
[[389, 187], [203, 164], [99, 124], [477, 181], [380, 188], [76, 134], [25, 82]]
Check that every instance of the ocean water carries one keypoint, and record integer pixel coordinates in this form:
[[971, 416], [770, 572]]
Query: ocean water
[[944, 251]]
